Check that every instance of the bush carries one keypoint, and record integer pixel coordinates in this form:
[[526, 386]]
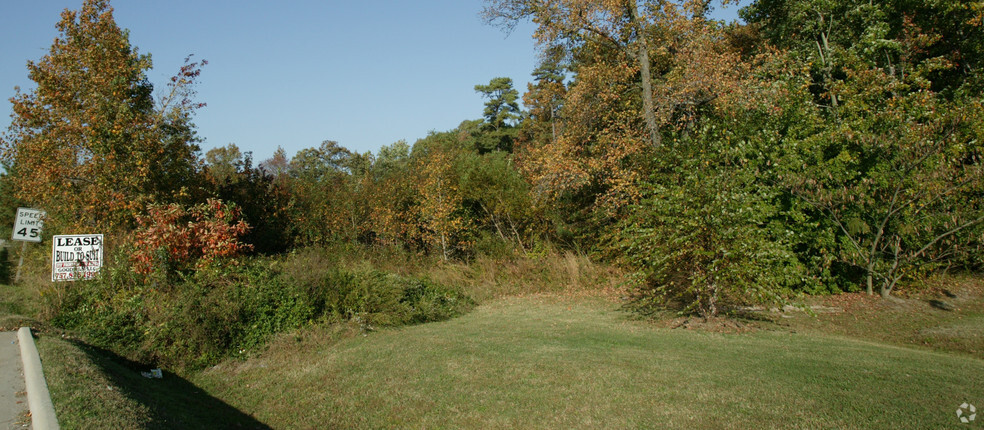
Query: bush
[[220, 311], [172, 239], [704, 250], [428, 301]]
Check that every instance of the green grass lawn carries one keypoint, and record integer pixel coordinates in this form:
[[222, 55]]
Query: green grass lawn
[[556, 361], [562, 363]]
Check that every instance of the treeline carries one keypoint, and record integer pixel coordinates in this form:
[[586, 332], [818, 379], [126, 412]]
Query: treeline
[[821, 146]]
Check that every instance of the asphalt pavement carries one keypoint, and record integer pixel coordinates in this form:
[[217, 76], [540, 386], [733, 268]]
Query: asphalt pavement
[[13, 395]]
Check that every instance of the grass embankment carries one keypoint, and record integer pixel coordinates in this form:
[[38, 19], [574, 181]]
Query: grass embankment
[[561, 363], [564, 358], [95, 389], [15, 306], [911, 321]]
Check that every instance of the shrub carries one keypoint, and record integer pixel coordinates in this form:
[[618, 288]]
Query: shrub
[[171, 238], [219, 311], [428, 301], [692, 251], [707, 234]]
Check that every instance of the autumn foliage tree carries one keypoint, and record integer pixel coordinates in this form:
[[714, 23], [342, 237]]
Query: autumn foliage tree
[[642, 72], [89, 145], [171, 238]]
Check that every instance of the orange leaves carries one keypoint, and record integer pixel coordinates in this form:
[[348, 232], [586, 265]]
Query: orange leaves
[[642, 72], [180, 239]]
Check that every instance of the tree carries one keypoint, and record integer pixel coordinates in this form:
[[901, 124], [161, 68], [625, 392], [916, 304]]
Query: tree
[[276, 166], [698, 239], [642, 73], [892, 147], [544, 98], [501, 116], [440, 201], [715, 228], [573, 22], [821, 32], [89, 145], [224, 164], [894, 175], [493, 185], [326, 183], [501, 109], [391, 158]]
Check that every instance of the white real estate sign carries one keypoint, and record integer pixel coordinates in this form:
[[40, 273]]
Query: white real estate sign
[[76, 256], [27, 225]]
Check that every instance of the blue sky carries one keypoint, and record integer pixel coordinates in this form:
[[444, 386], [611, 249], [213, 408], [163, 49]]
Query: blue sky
[[293, 73]]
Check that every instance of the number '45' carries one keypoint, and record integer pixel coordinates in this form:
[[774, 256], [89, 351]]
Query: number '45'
[[23, 232]]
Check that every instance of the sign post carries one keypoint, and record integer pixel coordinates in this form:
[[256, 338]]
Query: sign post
[[27, 228], [76, 256]]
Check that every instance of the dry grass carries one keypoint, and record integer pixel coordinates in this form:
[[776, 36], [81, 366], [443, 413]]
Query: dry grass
[[907, 321], [567, 275], [483, 278]]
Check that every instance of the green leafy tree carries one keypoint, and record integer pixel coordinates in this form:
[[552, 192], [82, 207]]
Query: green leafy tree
[[892, 152], [544, 98], [501, 198], [264, 199], [224, 164], [326, 184], [896, 176], [697, 240], [715, 228], [502, 107], [391, 158], [823, 33]]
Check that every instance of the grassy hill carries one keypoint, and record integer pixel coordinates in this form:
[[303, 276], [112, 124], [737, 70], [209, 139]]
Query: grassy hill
[[556, 361], [551, 363]]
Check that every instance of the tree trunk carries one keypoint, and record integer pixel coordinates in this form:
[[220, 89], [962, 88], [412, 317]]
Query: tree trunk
[[712, 309], [495, 222], [519, 239], [444, 247], [892, 277], [642, 56]]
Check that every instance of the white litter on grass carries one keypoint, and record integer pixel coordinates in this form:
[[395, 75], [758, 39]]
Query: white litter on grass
[[153, 374]]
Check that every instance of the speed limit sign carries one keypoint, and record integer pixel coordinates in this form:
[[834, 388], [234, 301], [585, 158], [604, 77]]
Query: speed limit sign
[[27, 225]]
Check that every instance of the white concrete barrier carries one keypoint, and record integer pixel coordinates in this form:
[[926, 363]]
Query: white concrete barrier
[[38, 399]]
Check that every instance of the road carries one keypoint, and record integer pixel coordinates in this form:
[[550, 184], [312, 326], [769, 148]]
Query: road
[[13, 397]]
